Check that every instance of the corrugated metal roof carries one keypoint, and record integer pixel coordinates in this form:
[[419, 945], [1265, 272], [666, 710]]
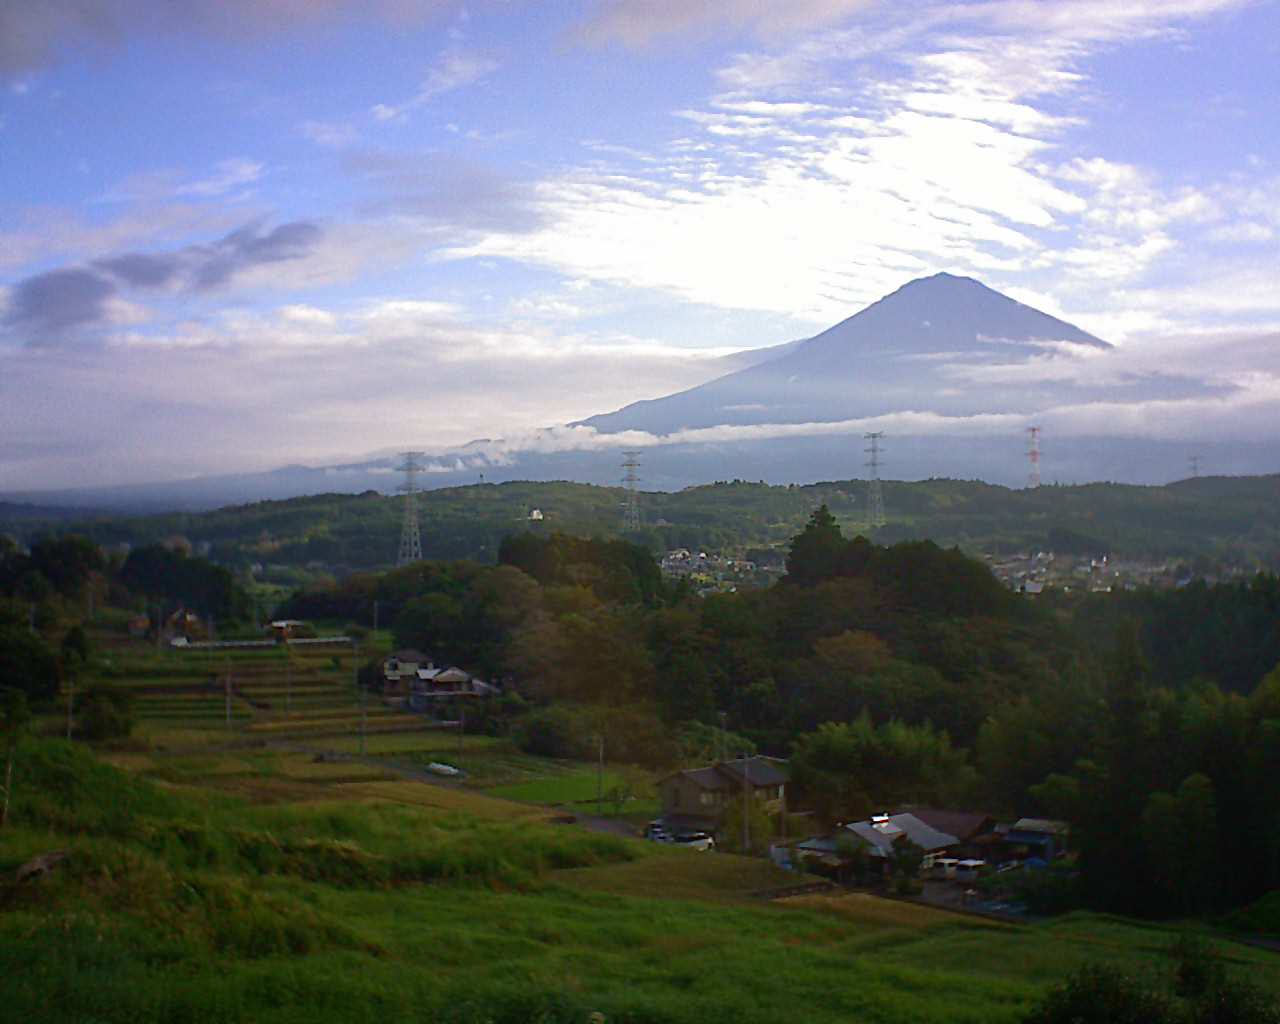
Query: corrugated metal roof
[[882, 835]]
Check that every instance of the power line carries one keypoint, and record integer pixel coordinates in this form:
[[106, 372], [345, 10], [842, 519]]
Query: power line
[[410, 540]]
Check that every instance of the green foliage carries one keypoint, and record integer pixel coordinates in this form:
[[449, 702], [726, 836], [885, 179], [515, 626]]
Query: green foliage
[[615, 570], [760, 827], [202, 586], [816, 550], [1203, 992], [553, 732], [1262, 917], [848, 770], [1104, 995], [27, 663], [15, 719], [1226, 633], [107, 712], [54, 564]]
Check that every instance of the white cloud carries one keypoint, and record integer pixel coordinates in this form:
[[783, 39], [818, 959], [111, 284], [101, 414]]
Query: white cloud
[[332, 134], [456, 68], [227, 176]]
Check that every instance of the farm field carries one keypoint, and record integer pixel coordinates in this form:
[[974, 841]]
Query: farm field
[[366, 902], [277, 724], [265, 870]]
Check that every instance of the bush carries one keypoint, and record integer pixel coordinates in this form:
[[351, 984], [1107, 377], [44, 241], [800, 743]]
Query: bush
[[1203, 994], [107, 713], [553, 732], [1103, 995]]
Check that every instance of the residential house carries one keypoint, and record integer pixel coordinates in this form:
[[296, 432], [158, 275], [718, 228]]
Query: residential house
[[431, 684], [878, 838], [976, 832], [284, 630], [400, 669], [1036, 838], [697, 799]]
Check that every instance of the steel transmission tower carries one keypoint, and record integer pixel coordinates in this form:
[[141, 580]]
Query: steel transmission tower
[[410, 540], [1194, 462], [875, 497], [631, 502], [1033, 454]]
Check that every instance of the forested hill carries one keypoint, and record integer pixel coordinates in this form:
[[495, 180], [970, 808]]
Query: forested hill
[[1226, 520]]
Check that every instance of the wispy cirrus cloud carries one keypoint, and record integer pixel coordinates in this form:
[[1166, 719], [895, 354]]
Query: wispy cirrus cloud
[[898, 141], [454, 69]]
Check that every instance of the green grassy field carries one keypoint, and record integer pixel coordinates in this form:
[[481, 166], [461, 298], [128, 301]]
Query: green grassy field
[[220, 875], [376, 899], [570, 788], [579, 788]]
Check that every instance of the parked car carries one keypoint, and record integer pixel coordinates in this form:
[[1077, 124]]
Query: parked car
[[443, 769], [695, 841]]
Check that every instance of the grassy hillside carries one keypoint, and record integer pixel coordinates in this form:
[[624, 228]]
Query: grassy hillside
[[188, 904], [1228, 519]]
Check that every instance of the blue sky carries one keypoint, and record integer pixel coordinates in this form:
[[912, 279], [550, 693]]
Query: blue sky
[[302, 230]]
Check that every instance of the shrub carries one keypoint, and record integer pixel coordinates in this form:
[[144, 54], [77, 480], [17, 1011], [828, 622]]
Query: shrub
[[552, 732], [107, 713], [1103, 995]]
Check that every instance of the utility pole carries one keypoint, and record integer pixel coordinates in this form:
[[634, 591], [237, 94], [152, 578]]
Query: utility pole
[[226, 687], [462, 727], [355, 679], [600, 775], [746, 805], [288, 679], [71, 701]]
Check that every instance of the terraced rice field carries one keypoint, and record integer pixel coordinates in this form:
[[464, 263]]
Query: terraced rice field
[[198, 697]]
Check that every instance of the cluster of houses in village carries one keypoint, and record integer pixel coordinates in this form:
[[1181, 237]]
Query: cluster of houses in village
[[412, 679], [951, 844], [712, 573], [1034, 573]]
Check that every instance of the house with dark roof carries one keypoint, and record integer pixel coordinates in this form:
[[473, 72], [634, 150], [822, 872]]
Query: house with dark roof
[[1041, 838], [400, 668], [975, 831], [698, 798], [876, 839], [433, 684]]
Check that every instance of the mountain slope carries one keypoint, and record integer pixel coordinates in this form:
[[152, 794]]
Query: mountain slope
[[915, 349]]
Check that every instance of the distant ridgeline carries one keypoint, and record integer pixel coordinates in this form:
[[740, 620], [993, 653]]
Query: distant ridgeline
[[1228, 521]]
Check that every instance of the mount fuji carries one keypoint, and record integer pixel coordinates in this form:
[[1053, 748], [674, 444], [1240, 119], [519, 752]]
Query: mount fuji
[[951, 371]]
